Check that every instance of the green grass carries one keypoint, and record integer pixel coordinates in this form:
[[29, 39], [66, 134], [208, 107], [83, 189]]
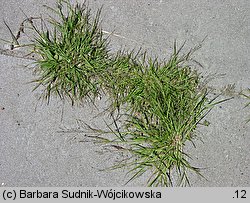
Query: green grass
[[164, 104], [73, 55], [161, 102]]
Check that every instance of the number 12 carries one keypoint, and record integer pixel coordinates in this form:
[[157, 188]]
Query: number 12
[[240, 194]]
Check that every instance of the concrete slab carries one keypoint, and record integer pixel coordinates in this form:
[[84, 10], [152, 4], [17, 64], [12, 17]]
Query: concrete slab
[[34, 153]]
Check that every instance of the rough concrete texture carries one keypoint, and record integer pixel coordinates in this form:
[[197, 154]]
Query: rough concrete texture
[[34, 151]]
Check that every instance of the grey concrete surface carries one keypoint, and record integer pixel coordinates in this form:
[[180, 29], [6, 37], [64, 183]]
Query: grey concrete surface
[[34, 151]]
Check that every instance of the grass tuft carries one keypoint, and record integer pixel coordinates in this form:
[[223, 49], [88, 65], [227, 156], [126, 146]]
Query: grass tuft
[[164, 103], [73, 55]]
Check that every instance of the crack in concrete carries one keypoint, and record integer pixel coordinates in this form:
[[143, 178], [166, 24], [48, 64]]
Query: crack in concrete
[[18, 54]]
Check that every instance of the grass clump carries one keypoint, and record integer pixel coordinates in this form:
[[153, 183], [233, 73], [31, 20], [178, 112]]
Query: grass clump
[[73, 55], [161, 102], [164, 103]]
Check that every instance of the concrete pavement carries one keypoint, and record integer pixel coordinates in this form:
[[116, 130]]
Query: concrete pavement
[[35, 152]]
